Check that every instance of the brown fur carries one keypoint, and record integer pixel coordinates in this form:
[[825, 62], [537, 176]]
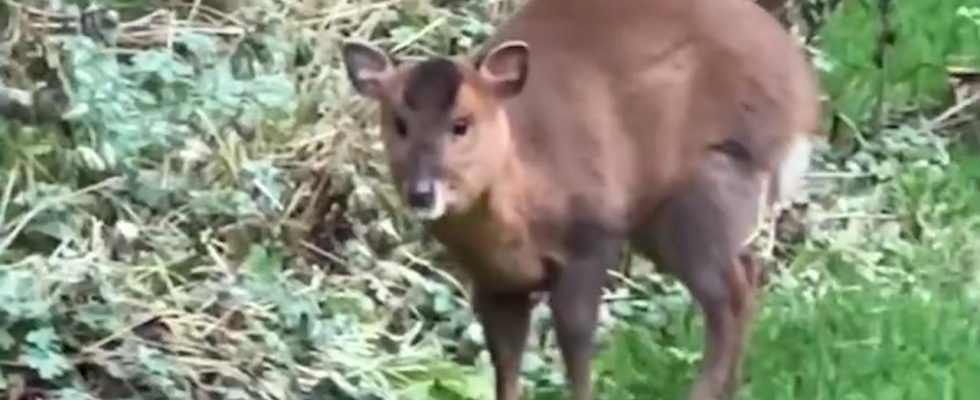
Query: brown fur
[[648, 122]]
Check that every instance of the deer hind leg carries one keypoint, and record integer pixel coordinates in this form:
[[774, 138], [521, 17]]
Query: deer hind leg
[[699, 236], [505, 318]]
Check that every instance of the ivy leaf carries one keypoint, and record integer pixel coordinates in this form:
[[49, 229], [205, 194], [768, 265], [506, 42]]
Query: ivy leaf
[[42, 353], [237, 394], [442, 303], [445, 390], [76, 112], [48, 364], [274, 92], [263, 264], [160, 64], [154, 361], [71, 394], [7, 341], [44, 338], [201, 46], [99, 316]]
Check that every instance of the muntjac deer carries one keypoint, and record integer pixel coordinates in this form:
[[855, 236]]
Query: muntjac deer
[[585, 125]]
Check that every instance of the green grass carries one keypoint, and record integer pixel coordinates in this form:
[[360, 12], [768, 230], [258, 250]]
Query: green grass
[[219, 223], [869, 309], [852, 344]]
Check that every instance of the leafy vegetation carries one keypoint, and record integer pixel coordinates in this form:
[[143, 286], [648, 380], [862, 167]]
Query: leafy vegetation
[[898, 57], [879, 304], [206, 214]]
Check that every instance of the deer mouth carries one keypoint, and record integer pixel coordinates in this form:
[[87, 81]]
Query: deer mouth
[[429, 200]]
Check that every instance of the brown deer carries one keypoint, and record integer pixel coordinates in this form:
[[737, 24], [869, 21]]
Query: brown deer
[[586, 125]]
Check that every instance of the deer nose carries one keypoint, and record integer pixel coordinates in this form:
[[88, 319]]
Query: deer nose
[[422, 194]]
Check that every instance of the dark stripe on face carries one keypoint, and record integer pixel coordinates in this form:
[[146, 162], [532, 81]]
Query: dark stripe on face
[[433, 85]]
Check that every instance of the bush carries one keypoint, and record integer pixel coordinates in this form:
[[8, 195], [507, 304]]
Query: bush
[[201, 211]]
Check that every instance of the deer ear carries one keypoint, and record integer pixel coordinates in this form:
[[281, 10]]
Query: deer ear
[[367, 67], [505, 67]]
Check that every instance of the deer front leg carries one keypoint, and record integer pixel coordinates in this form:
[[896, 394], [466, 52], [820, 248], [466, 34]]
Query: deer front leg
[[574, 302], [505, 318]]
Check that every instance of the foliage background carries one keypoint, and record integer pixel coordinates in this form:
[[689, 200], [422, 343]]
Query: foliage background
[[196, 208]]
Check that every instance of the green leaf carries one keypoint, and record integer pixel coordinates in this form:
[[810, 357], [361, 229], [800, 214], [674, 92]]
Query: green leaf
[[262, 263], [76, 112], [71, 394], [237, 394], [44, 338], [201, 46], [154, 360], [7, 341], [48, 363]]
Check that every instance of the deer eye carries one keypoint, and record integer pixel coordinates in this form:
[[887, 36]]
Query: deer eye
[[461, 126]]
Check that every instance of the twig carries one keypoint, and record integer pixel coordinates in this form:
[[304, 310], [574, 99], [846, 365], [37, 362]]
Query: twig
[[438, 271], [31, 10], [837, 175], [950, 112], [193, 13], [120, 332], [626, 280], [144, 20], [221, 320], [227, 31], [44, 205], [419, 35], [159, 27], [321, 252], [7, 193], [204, 8], [853, 215], [220, 261], [332, 15], [170, 31]]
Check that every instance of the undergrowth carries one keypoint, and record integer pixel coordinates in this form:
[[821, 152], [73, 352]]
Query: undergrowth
[[882, 304], [209, 217]]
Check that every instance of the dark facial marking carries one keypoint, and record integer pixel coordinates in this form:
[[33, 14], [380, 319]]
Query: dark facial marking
[[734, 149], [400, 127], [433, 85]]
